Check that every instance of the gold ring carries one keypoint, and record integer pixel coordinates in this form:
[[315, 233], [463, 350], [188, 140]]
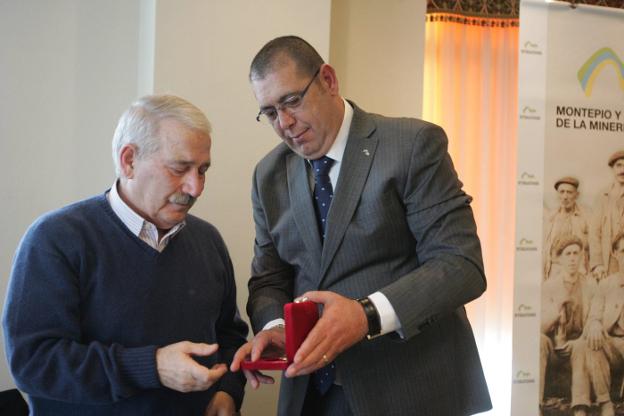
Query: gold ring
[[325, 360]]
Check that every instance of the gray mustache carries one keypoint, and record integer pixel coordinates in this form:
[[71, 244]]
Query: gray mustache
[[182, 199]]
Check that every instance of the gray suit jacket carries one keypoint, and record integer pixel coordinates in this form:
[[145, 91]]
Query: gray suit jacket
[[400, 224]]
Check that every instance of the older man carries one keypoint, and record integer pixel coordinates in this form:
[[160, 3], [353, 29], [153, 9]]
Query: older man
[[607, 220], [567, 219], [116, 303]]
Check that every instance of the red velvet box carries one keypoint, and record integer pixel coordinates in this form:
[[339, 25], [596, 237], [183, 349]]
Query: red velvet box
[[300, 318]]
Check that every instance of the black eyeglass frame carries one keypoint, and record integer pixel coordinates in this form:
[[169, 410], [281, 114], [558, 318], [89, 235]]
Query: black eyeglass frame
[[287, 102]]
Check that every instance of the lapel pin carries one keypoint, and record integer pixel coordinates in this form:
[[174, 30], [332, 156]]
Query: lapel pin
[[366, 152]]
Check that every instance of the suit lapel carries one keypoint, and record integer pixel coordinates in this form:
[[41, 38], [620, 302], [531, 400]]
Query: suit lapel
[[356, 162], [301, 203]]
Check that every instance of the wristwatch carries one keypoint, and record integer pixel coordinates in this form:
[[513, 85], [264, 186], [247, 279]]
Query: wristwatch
[[372, 316]]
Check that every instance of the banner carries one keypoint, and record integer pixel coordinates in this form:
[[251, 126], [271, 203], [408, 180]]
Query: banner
[[570, 208]]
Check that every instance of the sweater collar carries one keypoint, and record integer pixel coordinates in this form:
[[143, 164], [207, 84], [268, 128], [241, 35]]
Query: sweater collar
[[137, 225]]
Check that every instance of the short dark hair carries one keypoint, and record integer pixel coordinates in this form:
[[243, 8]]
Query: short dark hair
[[272, 55]]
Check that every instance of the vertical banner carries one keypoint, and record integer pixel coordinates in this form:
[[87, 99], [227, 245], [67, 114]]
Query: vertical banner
[[568, 335]]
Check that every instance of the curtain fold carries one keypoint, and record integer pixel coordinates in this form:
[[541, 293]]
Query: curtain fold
[[471, 90]]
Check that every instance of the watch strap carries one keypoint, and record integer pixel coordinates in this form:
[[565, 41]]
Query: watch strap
[[372, 316]]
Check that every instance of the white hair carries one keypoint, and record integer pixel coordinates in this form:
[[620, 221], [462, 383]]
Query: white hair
[[140, 124]]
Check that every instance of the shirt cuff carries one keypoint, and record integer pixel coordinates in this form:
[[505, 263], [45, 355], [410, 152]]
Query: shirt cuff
[[275, 322], [387, 316]]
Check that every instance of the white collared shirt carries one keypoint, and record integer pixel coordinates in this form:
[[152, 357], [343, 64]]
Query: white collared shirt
[[137, 225], [387, 316], [336, 152]]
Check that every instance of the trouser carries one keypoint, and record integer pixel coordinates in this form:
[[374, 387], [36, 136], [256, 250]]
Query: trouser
[[599, 364], [580, 383]]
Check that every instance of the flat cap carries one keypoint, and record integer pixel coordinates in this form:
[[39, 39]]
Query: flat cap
[[564, 241], [615, 157], [569, 180]]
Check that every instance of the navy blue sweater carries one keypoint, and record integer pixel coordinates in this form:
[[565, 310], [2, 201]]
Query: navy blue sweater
[[89, 303]]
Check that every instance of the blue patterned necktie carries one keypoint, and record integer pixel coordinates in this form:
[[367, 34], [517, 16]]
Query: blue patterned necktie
[[323, 191], [323, 378]]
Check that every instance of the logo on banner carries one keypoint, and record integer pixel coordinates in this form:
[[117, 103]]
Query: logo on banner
[[529, 113], [528, 179], [526, 245], [523, 377], [595, 64], [524, 311], [530, 48]]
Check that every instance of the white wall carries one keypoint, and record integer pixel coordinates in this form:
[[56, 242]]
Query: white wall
[[69, 68], [67, 71], [377, 48]]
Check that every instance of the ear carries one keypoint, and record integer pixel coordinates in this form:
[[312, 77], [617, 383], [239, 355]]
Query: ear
[[329, 78], [127, 157]]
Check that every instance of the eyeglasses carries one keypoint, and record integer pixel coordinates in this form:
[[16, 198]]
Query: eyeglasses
[[290, 104]]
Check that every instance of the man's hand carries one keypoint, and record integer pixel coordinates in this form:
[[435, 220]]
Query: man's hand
[[342, 324], [222, 404], [565, 350], [599, 272], [179, 371], [269, 339], [595, 335]]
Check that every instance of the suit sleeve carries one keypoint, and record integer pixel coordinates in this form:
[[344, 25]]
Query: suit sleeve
[[271, 282], [44, 346], [450, 271]]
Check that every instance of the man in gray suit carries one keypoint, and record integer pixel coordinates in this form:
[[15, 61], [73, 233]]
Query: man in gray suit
[[392, 262]]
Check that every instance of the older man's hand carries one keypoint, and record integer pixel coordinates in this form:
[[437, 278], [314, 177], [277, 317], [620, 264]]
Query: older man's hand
[[179, 371], [342, 324]]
